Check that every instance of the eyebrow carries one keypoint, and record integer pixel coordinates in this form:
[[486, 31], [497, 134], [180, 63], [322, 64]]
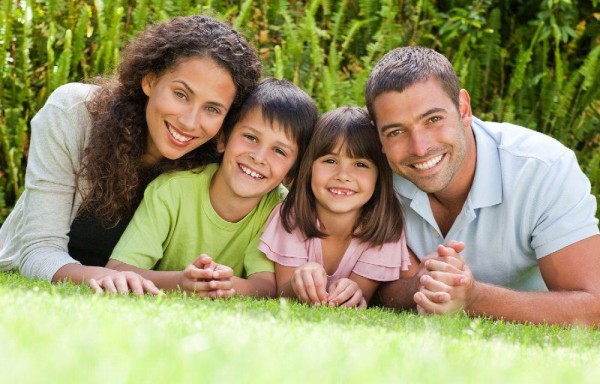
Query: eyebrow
[[190, 90], [279, 143], [421, 116]]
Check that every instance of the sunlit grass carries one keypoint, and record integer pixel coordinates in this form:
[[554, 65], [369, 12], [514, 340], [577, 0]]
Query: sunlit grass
[[67, 334]]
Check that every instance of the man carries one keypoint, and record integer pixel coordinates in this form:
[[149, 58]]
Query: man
[[516, 198]]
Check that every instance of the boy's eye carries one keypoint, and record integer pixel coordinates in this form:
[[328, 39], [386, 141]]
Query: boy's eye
[[280, 151], [251, 138]]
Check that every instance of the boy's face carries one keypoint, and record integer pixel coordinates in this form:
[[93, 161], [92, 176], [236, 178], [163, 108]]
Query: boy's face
[[256, 158]]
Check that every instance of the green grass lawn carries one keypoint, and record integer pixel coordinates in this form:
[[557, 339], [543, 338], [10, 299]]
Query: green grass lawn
[[66, 334]]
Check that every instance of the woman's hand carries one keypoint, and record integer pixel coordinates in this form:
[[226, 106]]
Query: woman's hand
[[122, 282]]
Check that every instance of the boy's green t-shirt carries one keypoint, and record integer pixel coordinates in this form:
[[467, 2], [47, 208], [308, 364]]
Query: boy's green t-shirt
[[176, 222]]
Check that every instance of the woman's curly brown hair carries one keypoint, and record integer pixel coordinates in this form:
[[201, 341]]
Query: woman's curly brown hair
[[112, 167]]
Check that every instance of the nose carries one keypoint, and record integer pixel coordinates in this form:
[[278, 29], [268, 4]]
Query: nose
[[343, 173], [191, 119], [419, 143], [258, 155]]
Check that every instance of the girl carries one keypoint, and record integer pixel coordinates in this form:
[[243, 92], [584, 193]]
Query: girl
[[94, 148], [339, 232]]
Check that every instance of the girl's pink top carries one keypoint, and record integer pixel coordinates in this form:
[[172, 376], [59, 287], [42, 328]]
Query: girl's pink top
[[293, 250]]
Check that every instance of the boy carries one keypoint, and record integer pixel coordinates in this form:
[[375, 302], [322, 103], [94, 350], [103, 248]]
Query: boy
[[200, 229]]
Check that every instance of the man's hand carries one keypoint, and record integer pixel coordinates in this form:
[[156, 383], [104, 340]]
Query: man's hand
[[447, 286]]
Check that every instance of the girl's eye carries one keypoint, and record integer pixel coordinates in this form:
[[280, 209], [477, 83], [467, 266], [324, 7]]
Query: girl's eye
[[362, 164], [329, 161]]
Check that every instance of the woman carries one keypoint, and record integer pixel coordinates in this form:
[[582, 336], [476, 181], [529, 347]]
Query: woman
[[94, 148]]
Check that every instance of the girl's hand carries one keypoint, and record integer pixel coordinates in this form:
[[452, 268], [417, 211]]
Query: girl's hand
[[205, 278], [309, 282], [346, 292], [123, 282]]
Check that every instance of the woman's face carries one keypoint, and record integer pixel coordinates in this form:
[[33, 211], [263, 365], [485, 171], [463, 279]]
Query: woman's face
[[186, 107]]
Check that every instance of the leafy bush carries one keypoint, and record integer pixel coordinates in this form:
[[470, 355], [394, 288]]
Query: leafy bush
[[532, 63]]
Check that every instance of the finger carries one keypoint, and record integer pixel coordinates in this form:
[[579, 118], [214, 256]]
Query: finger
[[454, 261], [195, 273], [202, 261], [108, 285], [320, 280], [309, 286], [363, 303], [427, 306], [221, 294], [223, 272], [95, 286], [345, 292], [441, 265], [436, 297], [299, 288], [450, 279], [458, 246], [354, 300], [121, 285], [433, 285], [150, 287], [135, 284], [212, 285]]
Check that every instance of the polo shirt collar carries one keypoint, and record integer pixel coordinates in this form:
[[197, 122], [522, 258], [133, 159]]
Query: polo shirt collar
[[486, 190]]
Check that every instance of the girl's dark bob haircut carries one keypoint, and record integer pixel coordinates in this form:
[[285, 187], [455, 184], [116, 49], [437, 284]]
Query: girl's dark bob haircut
[[381, 220]]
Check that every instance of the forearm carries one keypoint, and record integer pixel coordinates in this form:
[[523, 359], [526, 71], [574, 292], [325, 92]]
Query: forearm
[[79, 274], [262, 285], [399, 293], [167, 280], [564, 307]]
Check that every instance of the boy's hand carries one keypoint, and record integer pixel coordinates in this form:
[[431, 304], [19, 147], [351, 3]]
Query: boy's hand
[[205, 278], [346, 292], [309, 282]]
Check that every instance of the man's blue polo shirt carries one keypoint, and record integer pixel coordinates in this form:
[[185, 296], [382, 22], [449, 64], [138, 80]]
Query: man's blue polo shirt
[[529, 198]]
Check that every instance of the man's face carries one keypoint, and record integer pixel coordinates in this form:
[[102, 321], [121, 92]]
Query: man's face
[[423, 134]]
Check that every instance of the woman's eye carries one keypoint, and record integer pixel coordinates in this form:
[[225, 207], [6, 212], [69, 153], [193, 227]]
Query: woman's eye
[[180, 95], [213, 110]]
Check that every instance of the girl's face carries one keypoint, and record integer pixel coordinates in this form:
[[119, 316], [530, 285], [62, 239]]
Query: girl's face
[[342, 184], [186, 107]]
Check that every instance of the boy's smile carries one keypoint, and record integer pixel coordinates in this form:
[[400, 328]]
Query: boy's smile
[[256, 159]]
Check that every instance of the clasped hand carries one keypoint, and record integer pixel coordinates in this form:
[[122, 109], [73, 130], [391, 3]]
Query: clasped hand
[[205, 278], [446, 282], [309, 283]]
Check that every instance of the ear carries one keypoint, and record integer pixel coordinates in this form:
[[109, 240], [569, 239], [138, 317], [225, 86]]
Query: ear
[[464, 107], [147, 82], [220, 142]]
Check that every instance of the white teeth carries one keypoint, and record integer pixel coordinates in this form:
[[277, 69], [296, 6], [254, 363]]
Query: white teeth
[[251, 173], [428, 164], [178, 136], [341, 192]]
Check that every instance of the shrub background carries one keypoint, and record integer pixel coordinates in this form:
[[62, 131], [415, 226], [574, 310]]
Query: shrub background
[[531, 63]]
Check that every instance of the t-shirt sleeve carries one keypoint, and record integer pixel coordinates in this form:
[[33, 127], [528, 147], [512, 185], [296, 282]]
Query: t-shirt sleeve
[[142, 242], [384, 263], [284, 248], [566, 208]]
